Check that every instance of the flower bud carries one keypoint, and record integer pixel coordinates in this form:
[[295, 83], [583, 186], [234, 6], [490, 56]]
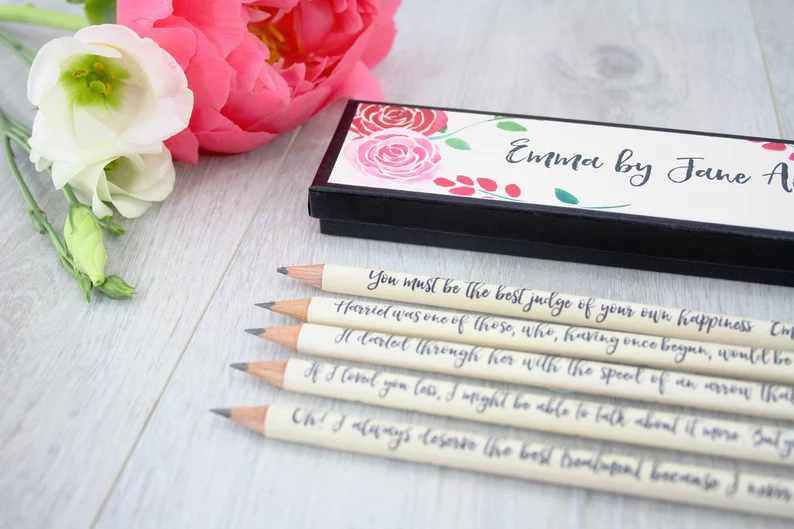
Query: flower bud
[[86, 243], [116, 288]]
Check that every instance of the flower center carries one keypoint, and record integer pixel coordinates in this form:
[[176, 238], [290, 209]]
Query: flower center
[[92, 79], [273, 39], [109, 168]]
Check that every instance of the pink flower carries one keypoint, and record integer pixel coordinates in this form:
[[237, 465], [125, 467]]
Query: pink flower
[[372, 118], [401, 156], [260, 68]]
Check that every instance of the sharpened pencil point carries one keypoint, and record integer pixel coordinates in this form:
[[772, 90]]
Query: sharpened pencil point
[[241, 367], [265, 305], [223, 412], [255, 332], [281, 270]]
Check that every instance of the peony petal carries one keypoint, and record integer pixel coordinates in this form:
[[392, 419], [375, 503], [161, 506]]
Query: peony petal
[[360, 84], [184, 146], [215, 132], [208, 75], [222, 21], [383, 34], [296, 113], [239, 108], [313, 23], [180, 43], [142, 11]]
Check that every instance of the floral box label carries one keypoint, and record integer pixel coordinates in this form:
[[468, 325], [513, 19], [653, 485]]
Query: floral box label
[[674, 175]]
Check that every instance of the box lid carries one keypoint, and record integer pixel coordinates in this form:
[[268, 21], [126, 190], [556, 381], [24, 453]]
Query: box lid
[[393, 169]]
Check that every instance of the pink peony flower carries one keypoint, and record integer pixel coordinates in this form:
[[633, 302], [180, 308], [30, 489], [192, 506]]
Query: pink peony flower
[[372, 118], [401, 156], [260, 68]]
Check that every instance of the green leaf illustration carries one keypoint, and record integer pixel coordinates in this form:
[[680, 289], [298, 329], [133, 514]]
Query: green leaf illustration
[[457, 143], [442, 131], [511, 126], [496, 118], [564, 196]]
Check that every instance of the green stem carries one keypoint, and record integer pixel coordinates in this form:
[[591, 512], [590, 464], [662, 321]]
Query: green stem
[[17, 175], [35, 211], [500, 196], [67, 191], [448, 134], [606, 207], [30, 14], [22, 52]]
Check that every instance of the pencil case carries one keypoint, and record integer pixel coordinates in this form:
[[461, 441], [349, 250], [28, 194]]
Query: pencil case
[[664, 200]]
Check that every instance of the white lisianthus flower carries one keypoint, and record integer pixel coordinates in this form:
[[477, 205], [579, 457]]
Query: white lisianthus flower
[[102, 95], [129, 180]]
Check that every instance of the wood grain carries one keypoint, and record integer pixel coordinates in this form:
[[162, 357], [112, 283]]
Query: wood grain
[[773, 18], [674, 64]]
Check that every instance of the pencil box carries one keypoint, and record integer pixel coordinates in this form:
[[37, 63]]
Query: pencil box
[[665, 200]]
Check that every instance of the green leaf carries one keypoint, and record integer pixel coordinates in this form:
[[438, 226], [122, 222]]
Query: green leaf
[[457, 143], [511, 126], [564, 196], [100, 11], [442, 131]]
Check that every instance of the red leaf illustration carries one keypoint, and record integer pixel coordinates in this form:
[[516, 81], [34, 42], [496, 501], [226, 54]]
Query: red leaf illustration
[[791, 156], [465, 180], [462, 191], [513, 190], [774, 146], [487, 184], [443, 182]]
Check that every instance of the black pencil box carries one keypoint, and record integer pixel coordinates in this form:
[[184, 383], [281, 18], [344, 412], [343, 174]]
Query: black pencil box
[[664, 200]]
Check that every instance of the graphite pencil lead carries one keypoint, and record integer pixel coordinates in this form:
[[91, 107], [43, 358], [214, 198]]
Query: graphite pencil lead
[[223, 412], [266, 305], [281, 270], [256, 332], [240, 366]]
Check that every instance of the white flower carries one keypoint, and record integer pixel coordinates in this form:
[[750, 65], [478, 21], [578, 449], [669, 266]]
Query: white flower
[[129, 180], [102, 90]]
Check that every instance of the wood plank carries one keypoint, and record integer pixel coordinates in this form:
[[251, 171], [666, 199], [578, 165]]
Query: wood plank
[[675, 64], [78, 380], [773, 19]]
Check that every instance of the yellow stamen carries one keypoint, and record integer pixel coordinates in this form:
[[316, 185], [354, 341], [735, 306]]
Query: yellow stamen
[[108, 88], [112, 76], [78, 74], [98, 67]]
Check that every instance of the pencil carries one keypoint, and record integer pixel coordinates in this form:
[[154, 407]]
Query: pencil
[[544, 463], [555, 414], [540, 337], [547, 371], [545, 306]]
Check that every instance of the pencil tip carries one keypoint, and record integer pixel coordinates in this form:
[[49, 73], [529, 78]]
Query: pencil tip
[[265, 305], [281, 270], [255, 332], [223, 412], [241, 367]]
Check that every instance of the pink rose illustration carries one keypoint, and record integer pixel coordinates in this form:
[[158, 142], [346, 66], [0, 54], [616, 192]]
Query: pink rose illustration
[[400, 156]]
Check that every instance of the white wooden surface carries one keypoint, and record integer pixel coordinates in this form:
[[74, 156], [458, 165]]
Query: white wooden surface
[[103, 407]]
